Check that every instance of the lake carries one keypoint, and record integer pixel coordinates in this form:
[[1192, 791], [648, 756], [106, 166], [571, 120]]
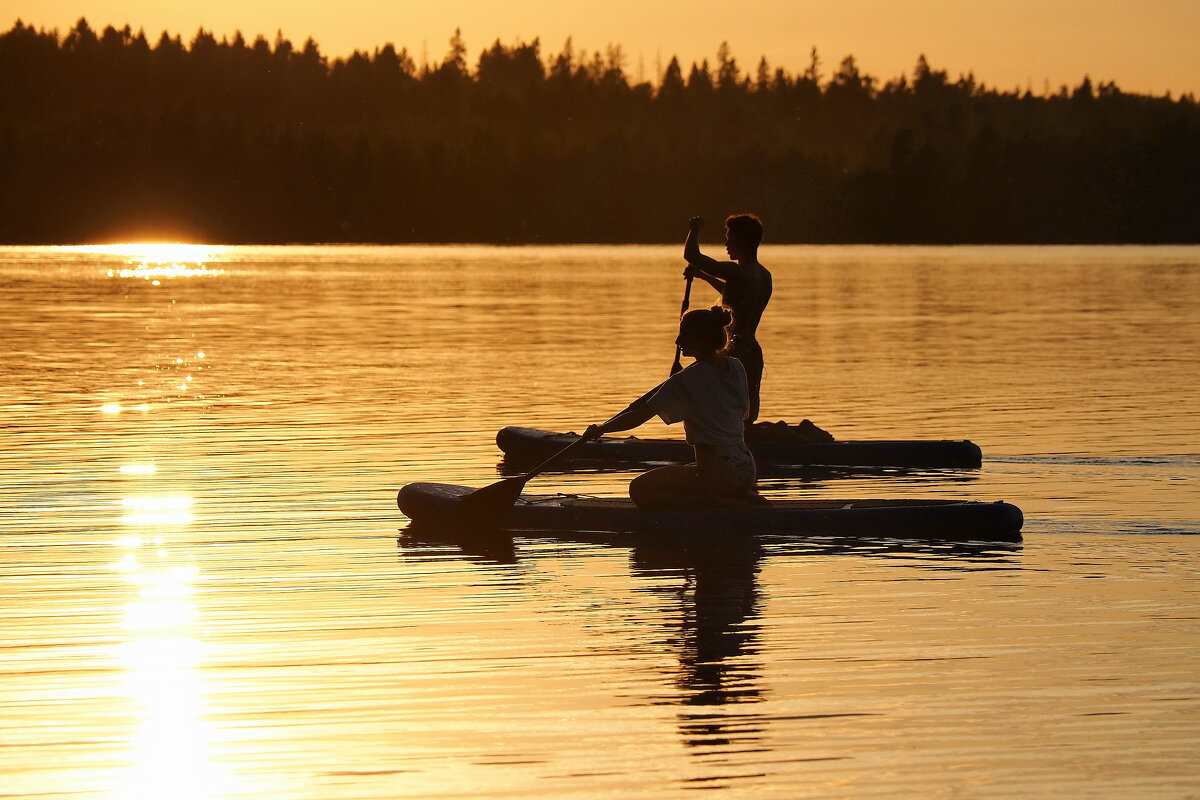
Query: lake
[[208, 592]]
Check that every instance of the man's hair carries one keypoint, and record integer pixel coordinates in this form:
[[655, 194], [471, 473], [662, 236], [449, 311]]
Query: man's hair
[[746, 227]]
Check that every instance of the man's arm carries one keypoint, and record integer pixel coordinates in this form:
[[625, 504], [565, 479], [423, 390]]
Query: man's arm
[[711, 270], [696, 272]]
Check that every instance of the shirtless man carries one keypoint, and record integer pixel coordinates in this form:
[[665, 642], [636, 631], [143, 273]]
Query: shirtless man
[[745, 287]]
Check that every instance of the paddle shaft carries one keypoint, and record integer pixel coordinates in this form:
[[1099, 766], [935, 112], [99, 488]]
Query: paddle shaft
[[687, 295], [551, 461]]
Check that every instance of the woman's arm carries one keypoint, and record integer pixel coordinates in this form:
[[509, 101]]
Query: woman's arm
[[638, 413]]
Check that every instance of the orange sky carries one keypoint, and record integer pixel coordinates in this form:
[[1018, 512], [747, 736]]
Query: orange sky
[[1146, 46]]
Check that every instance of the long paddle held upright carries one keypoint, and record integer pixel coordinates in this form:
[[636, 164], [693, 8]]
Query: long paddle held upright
[[687, 294]]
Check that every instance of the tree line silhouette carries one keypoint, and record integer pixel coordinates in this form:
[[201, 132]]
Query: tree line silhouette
[[106, 135]]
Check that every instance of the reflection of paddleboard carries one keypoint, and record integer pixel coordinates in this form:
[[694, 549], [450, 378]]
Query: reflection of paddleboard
[[954, 520], [533, 445]]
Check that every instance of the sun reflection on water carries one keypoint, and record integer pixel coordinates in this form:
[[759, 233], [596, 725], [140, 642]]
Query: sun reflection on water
[[156, 252], [170, 271], [170, 746], [176, 379], [151, 261], [149, 510], [117, 408]]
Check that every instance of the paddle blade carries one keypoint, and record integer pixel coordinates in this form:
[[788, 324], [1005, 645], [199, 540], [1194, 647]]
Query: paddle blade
[[490, 505]]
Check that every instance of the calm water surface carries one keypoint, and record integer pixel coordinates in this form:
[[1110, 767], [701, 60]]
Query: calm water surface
[[206, 593]]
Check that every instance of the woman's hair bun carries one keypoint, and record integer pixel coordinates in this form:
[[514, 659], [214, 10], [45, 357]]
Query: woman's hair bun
[[723, 314], [708, 326]]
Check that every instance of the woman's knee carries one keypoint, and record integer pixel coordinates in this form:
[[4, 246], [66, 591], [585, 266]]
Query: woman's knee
[[663, 486], [644, 488], [641, 491]]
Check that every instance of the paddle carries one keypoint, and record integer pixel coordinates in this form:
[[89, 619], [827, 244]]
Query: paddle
[[687, 293], [488, 506]]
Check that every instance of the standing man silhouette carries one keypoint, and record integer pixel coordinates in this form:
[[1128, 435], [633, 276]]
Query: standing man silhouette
[[745, 288]]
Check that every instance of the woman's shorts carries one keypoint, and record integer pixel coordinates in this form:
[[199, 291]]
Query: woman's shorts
[[726, 468]]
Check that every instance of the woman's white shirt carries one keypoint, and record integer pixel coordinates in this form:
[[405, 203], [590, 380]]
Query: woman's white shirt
[[712, 404]]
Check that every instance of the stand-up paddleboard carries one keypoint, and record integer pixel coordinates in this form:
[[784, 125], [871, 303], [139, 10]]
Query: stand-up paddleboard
[[947, 520], [532, 444]]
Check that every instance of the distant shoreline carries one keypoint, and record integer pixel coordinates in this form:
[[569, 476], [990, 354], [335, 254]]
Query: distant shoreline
[[105, 136]]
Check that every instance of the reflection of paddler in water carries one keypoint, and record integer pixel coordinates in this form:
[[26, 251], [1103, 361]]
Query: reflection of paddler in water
[[711, 398], [720, 606], [745, 287]]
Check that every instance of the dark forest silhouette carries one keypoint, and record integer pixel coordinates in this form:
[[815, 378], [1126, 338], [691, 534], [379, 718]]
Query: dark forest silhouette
[[110, 136]]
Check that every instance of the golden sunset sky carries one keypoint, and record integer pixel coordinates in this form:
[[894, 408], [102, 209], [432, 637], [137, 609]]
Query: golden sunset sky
[[1144, 45]]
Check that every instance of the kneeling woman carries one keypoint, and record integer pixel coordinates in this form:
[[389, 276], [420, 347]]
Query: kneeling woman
[[712, 399]]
